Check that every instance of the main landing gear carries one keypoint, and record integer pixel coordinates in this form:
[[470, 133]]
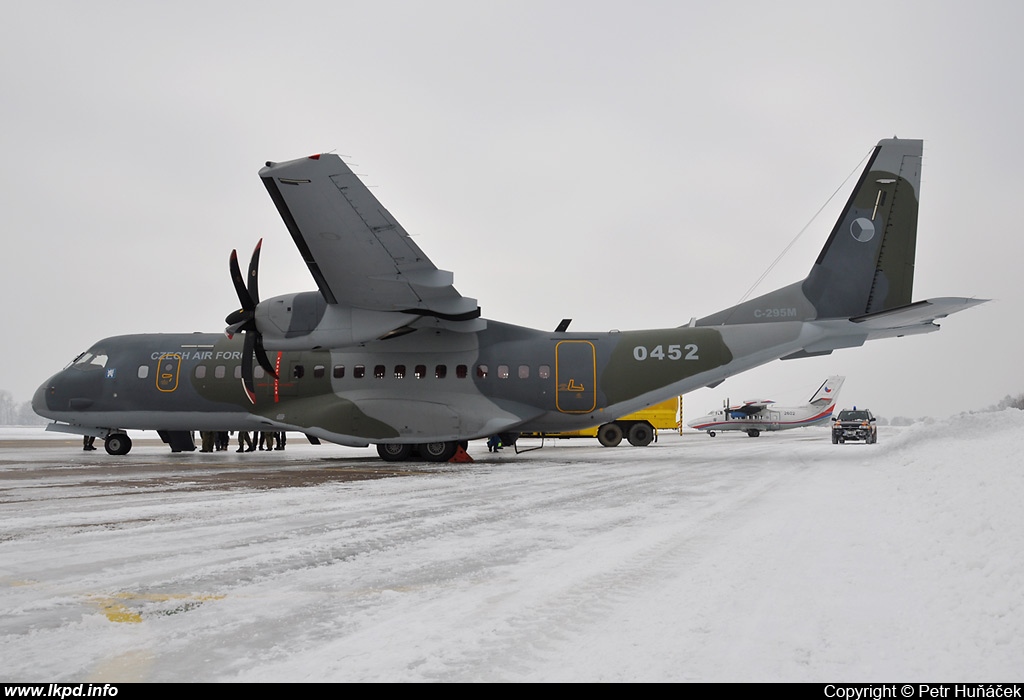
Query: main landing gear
[[429, 451]]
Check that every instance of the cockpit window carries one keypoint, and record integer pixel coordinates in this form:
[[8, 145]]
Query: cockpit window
[[90, 359]]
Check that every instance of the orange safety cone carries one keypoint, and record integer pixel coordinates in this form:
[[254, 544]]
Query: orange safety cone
[[460, 455]]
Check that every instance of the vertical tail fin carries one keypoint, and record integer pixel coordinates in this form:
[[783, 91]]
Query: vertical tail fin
[[867, 264], [829, 391]]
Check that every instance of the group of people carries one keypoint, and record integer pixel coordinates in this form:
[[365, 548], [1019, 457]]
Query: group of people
[[218, 441]]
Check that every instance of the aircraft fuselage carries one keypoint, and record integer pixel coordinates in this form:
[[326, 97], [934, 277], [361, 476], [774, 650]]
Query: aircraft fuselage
[[430, 384]]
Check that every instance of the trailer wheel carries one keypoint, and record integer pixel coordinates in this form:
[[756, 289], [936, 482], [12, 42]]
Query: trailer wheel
[[640, 435], [609, 434]]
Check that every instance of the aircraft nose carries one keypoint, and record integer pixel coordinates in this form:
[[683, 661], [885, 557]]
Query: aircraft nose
[[70, 390], [39, 398]]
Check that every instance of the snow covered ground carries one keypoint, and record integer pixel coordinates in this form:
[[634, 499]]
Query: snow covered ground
[[781, 558]]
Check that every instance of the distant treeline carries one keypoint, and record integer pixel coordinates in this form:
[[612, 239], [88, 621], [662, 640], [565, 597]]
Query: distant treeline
[[12, 413], [1007, 402]]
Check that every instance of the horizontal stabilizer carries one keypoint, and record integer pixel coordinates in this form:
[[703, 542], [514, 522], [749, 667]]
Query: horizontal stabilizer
[[917, 314]]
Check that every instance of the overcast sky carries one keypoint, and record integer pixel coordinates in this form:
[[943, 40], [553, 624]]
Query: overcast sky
[[626, 166]]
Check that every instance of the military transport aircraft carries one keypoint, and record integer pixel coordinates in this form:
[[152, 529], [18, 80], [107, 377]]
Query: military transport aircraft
[[758, 415], [387, 352]]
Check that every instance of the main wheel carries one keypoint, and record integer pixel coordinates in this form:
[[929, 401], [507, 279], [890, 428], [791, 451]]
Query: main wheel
[[711, 433], [438, 451], [609, 435], [640, 435], [753, 432], [117, 444], [394, 453]]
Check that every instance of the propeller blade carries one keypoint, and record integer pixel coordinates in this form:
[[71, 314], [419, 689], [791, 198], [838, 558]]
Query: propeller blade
[[237, 321], [244, 319], [261, 356], [254, 273], [236, 279], [247, 381]]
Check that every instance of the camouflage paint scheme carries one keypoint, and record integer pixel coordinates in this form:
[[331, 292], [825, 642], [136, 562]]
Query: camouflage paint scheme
[[381, 302]]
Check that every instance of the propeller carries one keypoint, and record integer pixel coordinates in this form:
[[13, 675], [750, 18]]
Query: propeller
[[244, 320]]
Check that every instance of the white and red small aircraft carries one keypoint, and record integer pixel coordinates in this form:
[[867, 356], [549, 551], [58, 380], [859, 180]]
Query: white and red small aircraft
[[758, 415]]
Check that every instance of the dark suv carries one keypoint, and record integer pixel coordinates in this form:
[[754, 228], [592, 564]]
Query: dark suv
[[854, 424]]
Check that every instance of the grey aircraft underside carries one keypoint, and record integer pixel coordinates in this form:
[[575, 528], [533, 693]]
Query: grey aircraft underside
[[387, 352]]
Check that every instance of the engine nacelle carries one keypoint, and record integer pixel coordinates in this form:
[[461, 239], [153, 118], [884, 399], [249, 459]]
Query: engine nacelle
[[304, 321]]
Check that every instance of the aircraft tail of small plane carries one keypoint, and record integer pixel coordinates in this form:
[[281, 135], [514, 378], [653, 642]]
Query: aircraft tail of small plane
[[828, 392]]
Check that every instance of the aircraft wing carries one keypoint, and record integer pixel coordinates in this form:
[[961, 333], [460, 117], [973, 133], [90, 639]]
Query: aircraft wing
[[357, 252], [751, 407]]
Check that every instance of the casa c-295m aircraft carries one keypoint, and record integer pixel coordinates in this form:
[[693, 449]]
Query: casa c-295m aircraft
[[387, 352]]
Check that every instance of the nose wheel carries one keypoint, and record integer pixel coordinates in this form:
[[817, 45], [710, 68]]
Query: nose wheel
[[117, 444]]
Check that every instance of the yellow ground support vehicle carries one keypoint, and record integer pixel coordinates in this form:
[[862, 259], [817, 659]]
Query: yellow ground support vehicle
[[640, 428]]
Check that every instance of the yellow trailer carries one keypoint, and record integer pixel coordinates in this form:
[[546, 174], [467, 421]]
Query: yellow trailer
[[640, 428]]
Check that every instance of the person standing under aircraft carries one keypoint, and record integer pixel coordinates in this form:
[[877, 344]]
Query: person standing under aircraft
[[207, 440], [244, 442]]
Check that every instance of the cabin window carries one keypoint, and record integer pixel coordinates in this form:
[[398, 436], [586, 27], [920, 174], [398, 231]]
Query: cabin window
[[298, 372], [339, 371], [441, 371], [143, 371], [399, 371], [318, 371], [420, 372], [219, 371], [502, 371], [238, 372], [201, 372], [544, 371], [257, 372], [481, 371], [524, 371], [378, 371], [461, 371], [359, 371]]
